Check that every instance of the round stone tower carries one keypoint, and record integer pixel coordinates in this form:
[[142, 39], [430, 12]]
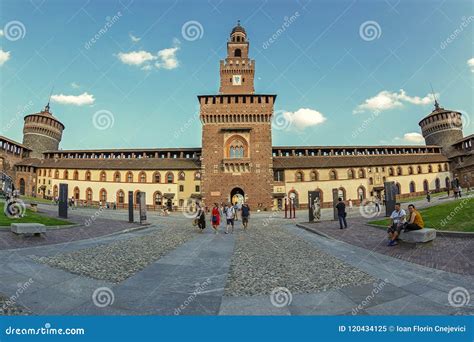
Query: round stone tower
[[442, 127], [42, 132]]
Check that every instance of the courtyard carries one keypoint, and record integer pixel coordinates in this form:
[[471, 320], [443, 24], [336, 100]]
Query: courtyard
[[107, 266]]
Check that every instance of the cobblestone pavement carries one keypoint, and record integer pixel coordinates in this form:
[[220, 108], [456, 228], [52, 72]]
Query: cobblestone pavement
[[191, 277], [452, 254]]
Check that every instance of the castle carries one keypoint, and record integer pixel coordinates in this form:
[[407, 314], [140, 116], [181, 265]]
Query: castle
[[237, 160]]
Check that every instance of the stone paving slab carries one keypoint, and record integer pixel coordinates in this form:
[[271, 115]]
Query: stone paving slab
[[410, 305], [447, 253]]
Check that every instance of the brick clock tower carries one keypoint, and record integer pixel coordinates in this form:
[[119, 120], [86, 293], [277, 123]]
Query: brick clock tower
[[236, 133]]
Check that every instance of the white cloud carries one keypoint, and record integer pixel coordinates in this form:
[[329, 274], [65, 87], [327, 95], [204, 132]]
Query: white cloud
[[167, 58], [1, 33], [134, 39], [75, 85], [164, 59], [136, 57], [304, 118], [76, 100], [386, 100], [414, 137], [4, 56], [470, 62]]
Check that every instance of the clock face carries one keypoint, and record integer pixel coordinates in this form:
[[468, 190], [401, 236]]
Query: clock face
[[236, 80]]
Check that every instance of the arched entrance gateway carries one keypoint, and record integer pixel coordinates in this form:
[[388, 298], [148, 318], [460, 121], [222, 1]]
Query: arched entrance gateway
[[22, 186], [237, 196]]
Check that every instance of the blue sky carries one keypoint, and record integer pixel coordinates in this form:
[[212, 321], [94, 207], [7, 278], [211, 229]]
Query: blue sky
[[136, 85]]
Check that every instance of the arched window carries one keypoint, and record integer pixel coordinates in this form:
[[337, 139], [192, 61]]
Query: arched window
[[157, 177], [299, 176], [103, 195], [399, 188], [236, 147], [446, 167], [314, 176], [169, 178], [361, 193], [430, 168], [75, 175], [181, 176], [197, 175], [447, 183], [399, 171], [142, 177], [56, 174], [439, 168], [390, 171], [418, 169], [120, 197], [55, 191], [412, 187], [130, 177], [157, 198], [371, 181], [361, 173], [117, 177], [332, 175], [426, 187], [350, 174], [410, 170], [238, 52], [103, 176], [341, 193], [437, 184], [76, 193], [49, 173], [88, 175], [89, 195], [66, 174]]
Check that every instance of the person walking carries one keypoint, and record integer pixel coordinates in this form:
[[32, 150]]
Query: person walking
[[201, 218], [216, 218], [428, 197], [341, 213], [245, 213], [230, 215]]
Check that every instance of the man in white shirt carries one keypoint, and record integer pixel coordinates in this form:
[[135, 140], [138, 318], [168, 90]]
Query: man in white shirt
[[397, 219], [229, 215]]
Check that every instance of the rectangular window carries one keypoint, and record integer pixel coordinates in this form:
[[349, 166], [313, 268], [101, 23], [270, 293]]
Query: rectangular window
[[181, 188], [198, 188]]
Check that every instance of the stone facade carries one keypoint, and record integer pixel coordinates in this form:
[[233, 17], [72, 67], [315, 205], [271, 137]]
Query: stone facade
[[42, 132]]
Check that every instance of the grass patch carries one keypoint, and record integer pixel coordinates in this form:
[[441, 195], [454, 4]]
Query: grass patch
[[423, 197], [31, 199], [453, 216], [30, 217]]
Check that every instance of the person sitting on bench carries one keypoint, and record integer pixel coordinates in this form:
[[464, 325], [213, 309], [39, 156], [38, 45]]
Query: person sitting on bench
[[415, 222], [397, 219]]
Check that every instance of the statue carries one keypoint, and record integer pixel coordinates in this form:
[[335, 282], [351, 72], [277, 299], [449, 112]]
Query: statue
[[317, 209]]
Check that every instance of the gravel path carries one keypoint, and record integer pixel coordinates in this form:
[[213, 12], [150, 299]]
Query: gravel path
[[120, 260], [268, 257], [9, 308]]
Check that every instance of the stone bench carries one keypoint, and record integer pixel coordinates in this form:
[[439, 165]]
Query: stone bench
[[418, 236], [28, 228]]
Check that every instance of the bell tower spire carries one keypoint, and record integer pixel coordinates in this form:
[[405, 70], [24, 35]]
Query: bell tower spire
[[237, 70]]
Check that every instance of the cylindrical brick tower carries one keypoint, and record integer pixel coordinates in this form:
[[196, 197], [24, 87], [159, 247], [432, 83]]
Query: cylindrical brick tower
[[42, 132], [442, 127]]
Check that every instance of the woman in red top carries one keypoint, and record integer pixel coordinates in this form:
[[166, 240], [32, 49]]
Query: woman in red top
[[215, 217]]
